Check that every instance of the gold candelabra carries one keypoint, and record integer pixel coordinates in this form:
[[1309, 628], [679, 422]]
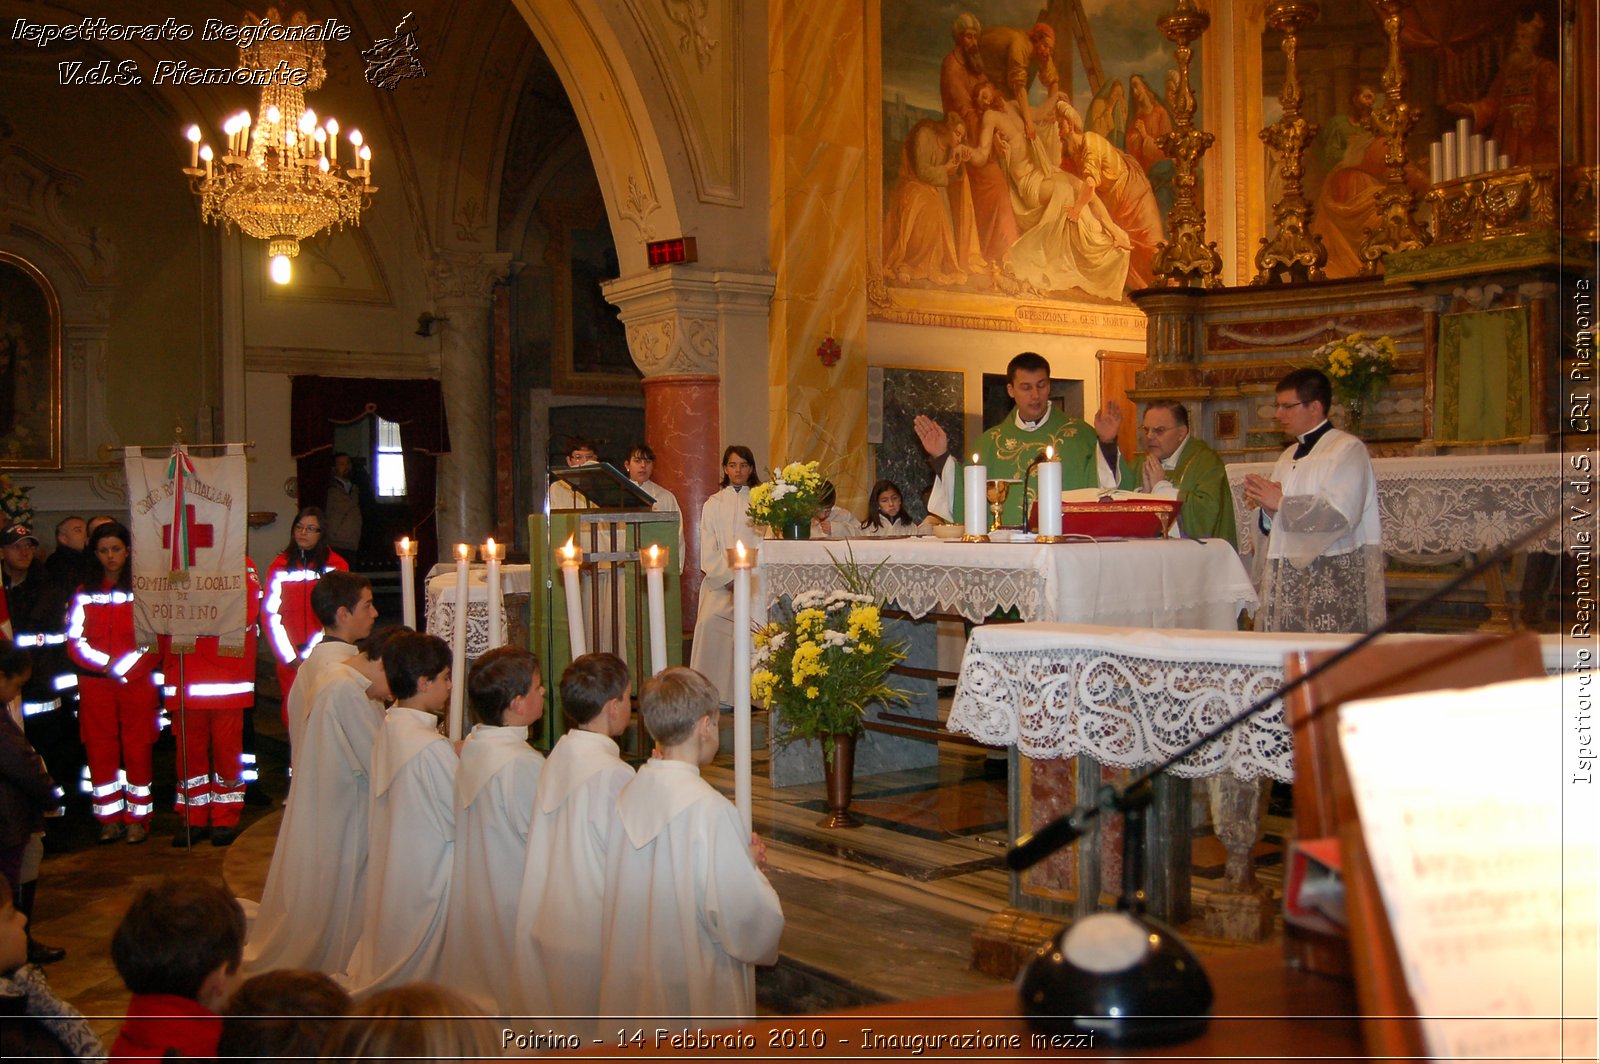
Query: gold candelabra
[[1397, 228], [1294, 253], [1187, 257]]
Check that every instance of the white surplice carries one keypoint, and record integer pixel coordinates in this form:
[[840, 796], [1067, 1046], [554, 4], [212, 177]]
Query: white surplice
[[687, 912], [1322, 566], [557, 964], [722, 522], [317, 666], [412, 854], [314, 899], [666, 502], [495, 787]]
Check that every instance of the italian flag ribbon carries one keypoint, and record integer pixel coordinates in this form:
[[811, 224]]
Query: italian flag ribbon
[[179, 467]]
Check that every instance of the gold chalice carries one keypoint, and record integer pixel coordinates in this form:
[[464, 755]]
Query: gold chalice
[[998, 491]]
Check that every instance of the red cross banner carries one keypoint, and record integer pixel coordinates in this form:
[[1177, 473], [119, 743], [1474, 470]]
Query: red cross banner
[[189, 543]]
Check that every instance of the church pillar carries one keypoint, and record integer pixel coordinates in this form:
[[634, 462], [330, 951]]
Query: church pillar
[[461, 287], [697, 336]]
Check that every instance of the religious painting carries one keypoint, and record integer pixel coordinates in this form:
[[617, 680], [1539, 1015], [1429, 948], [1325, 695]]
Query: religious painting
[[30, 367], [1489, 62], [999, 117], [590, 351]]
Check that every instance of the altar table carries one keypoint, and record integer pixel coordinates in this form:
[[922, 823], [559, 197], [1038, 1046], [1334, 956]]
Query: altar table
[[439, 615]]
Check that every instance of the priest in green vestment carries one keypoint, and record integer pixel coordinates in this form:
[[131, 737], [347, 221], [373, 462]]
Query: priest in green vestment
[[1180, 465], [1088, 456]]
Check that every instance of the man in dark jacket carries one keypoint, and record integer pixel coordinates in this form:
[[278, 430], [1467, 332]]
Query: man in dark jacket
[[27, 795]]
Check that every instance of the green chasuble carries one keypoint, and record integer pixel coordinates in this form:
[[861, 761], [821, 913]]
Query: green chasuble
[[1007, 449], [1202, 483]]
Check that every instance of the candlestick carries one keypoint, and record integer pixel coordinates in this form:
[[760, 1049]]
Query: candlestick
[[654, 561], [741, 561], [407, 552], [493, 554], [973, 488], [1049, 497], [571, 560], [458, 645]]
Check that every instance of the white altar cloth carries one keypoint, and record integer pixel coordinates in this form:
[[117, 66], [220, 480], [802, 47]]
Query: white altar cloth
[[1133, 697], [439, 615], [1151, 582]]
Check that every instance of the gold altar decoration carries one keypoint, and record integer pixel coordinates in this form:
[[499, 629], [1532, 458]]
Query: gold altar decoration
[[1188, 257], [1397, 229], [279, 177], [1293, 253], [1515, 202]]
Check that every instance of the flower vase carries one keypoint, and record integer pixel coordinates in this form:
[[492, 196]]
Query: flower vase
[[839, 773], [796, 529], [1355, 412]]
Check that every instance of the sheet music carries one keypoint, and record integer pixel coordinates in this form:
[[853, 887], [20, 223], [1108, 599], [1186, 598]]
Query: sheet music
[[1485, 855]]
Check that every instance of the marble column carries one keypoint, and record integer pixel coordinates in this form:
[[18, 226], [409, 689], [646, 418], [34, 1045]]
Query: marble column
[[687, 458], [461, 286]]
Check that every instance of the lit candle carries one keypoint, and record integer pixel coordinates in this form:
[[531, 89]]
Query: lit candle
[[458, 645], [193, 133], [571, 561], [1050, 494], [366, 161], [654, 561], [493, 554], [333, 140], [207, 155], [974, 485], [407, 552], [742, 561]]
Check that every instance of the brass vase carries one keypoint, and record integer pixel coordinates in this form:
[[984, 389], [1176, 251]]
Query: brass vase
[[839, 773]]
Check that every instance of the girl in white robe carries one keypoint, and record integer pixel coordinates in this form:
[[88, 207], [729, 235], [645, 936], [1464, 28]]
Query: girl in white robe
[[640, 466], [723, 521]]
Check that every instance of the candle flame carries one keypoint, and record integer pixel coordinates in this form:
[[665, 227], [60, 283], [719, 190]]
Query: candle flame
[[655, 554], [463, 552], [488, 549], [975, 458], [1049, 453], [738, 546], [569, 550], [405, 545]]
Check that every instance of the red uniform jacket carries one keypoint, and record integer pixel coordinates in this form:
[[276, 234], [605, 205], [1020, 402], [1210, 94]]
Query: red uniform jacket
[[100, 635], [291, 627], [212, 679]]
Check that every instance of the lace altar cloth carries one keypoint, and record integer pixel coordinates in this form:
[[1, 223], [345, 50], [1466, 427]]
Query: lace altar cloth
[[1450, 504], [1133, 697], [439, 616], [1158, 583]]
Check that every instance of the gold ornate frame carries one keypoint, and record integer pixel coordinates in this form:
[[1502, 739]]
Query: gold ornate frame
[[29, 351]]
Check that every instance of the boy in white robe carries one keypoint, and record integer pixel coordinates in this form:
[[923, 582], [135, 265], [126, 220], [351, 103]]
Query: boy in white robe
[[343, 604], [688, 911], [311, 908], [557, 964], [412, 824], [494, 802]]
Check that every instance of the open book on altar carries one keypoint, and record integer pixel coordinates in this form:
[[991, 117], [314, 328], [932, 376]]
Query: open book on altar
[[1109, 514], [1484, 852]]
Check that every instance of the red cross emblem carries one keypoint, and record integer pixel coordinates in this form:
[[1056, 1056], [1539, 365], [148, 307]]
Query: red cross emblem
[[828, 351], [199, 535]]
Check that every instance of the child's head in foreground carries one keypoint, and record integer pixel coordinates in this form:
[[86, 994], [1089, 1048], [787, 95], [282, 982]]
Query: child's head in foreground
[[418, 670], [281, 1015], [680, 709], [506, 688], [418, 1021], [594, 693], [183, 937]]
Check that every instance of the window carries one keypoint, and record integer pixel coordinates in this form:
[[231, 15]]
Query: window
[[391, 471]]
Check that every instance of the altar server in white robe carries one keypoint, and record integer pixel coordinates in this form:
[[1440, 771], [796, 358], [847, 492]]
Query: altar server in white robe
[[343, 605], [412, 824], [495, 788], [313, 903], [1319, 545], [723, 521], [688, 912], [640, 467], [557, 937]]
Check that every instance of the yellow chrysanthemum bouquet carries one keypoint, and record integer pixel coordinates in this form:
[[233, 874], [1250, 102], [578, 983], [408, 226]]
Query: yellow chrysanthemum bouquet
[[1358, 368], [792, 494], [824, 662], [15, 504]]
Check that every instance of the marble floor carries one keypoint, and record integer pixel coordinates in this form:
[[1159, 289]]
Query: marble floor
[[882, 912]]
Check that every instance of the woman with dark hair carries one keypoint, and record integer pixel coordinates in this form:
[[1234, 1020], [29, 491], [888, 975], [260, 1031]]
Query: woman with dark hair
[[886, 512], [292, 626], [117, 695], [723, 521]]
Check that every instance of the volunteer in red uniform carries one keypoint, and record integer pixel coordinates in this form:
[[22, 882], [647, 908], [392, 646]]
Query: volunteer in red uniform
[[291, 625], [117, 696], [208, 694]]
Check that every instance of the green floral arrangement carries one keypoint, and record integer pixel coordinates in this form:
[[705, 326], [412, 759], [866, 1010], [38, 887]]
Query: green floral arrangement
[[820, 666], [1357, 366], [792, 493], [15, 502]]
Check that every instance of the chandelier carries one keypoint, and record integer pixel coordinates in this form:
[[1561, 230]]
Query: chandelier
[[279, 177]]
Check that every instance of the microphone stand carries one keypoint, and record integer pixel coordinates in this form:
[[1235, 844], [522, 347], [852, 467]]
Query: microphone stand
[[1162, 996], [1026, 473]]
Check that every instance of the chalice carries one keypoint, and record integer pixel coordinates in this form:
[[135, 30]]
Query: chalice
[[998, 491]]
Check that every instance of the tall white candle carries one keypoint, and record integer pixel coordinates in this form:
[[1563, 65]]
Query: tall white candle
[[1463, 149], [1435, 162], [1050, 494], [458, 645], [974, 484], [741, 561], [492, 555], [655, 564], [571, 560], [407, 551], [1448, 150]]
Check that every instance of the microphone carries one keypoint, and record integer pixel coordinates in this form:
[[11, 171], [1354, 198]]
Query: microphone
[[1026, 473]]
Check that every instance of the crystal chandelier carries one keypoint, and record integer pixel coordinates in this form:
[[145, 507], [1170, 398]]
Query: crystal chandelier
[[279, 177]]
